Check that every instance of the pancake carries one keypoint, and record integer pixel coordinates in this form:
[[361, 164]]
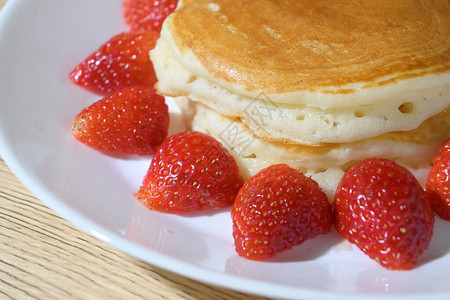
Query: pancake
[[336, 71], [318, 85], [413, 149], [284, 46], [401, 110]]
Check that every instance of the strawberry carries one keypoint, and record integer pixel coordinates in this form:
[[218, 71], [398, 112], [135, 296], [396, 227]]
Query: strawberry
[[438, 183], [132, 121], [191, 171], [121, 62], [381, 207], [147, 14], [276, 209]]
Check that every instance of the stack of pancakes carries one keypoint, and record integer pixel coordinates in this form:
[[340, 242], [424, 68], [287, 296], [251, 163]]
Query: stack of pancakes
[[318, 85]]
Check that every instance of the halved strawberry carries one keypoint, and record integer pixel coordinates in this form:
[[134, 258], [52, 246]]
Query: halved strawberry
[[121, 62], [381, 207], [132, 121], [191, 171], [277, 209], [147, 14], [438, 183]]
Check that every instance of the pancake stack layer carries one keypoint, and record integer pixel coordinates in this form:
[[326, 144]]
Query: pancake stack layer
[[318, 85]]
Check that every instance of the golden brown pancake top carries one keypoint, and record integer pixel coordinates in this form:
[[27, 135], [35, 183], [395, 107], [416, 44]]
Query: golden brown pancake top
[[280, 46]]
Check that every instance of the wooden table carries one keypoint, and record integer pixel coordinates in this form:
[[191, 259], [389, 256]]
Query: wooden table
[[45, 257]]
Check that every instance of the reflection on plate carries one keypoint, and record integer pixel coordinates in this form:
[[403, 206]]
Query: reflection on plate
[[93, 191]]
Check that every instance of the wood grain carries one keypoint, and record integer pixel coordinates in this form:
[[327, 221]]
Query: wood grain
[[45, 257]]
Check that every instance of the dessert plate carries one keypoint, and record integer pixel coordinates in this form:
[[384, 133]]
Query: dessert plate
[[41, 41]]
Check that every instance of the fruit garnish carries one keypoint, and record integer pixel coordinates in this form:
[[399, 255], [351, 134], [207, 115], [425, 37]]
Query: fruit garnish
[[276, 209], [121, 62], [438, 182], [147, 14], [134, 120], [381, 207], [190, 171]]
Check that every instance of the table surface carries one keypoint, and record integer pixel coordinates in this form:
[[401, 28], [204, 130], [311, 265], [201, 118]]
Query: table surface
[[42, 256]]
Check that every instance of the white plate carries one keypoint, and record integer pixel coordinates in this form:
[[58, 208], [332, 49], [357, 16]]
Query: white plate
[[40, 42]]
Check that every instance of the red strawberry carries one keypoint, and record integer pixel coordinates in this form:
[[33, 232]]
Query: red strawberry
[[132, 121], [190, 171], [147, 14], [121, 62], [381, 207], [277, 209], [438, 183]]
